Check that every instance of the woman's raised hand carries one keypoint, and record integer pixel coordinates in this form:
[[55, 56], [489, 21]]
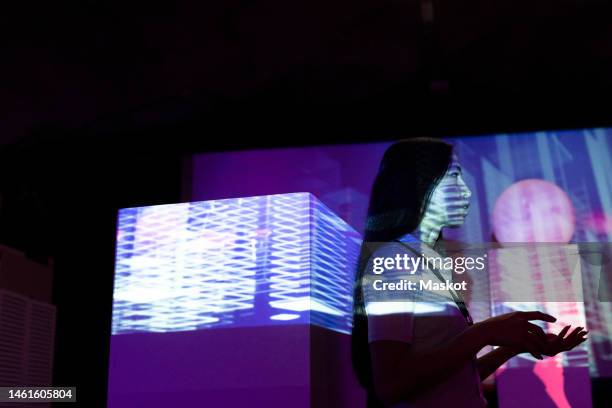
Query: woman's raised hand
[[557, 343], [516, 331]]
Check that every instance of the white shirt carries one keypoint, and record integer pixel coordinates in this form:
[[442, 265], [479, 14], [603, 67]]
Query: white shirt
[[423, 319]]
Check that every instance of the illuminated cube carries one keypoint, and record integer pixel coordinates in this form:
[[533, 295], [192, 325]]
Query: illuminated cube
[[254, 261]]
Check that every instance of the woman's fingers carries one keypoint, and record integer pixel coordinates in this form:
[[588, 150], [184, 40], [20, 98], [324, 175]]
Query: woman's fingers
[[575, 332], [575, 338], [535, 315], [563, 332], [583, 333]]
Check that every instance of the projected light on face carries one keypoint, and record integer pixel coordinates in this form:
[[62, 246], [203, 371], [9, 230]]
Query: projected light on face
[[449, 202]]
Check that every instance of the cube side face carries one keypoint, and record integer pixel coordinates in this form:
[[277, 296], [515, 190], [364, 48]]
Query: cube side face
[[335, 251]]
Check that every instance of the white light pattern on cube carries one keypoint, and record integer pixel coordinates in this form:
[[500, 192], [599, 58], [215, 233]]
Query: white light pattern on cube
[[234, 262]]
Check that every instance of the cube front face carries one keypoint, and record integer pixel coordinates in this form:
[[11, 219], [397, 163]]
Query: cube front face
[[255, 261]]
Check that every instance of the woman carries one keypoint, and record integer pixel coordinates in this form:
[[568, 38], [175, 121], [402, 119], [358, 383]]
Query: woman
[[420, 351]]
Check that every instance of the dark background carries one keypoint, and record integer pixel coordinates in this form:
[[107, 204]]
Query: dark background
[[100, 102]]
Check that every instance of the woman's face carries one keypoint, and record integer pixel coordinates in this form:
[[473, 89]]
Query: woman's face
[[450, 199]]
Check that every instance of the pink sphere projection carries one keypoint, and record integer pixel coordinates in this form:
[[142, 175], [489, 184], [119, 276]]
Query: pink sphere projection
[[533, 210]]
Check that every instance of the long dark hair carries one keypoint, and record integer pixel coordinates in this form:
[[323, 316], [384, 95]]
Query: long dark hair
[[409, 171]]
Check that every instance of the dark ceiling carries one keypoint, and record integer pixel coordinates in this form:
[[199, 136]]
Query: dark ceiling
[[320, 70]]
